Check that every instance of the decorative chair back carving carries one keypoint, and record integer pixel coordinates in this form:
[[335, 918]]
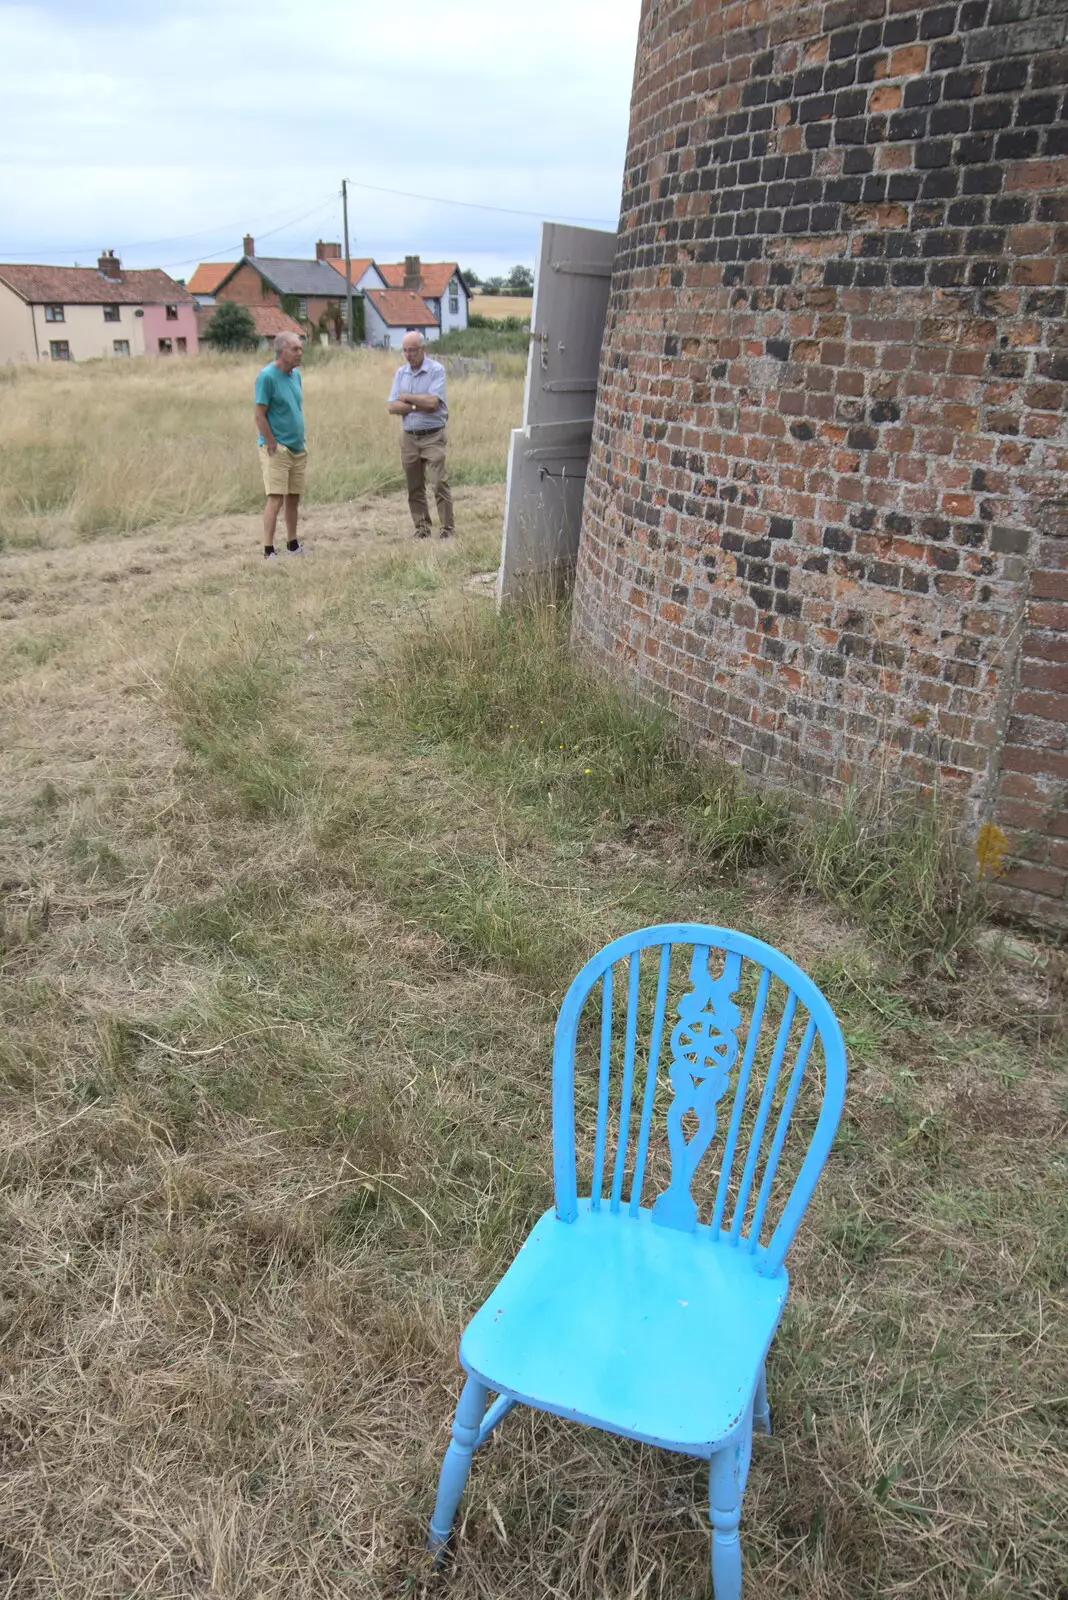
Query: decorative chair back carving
[[746, 1020]]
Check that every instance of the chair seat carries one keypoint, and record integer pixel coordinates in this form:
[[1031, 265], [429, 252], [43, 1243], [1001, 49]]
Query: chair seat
[[629, 1326]]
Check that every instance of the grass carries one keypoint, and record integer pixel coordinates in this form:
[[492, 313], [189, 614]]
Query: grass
[[503, 344], [295, 871], [113, 447], [510, 695]]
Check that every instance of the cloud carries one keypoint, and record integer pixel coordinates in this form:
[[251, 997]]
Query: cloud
[[167, 132]]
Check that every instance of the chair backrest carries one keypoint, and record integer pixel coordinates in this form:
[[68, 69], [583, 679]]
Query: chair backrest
[[743, 1020]]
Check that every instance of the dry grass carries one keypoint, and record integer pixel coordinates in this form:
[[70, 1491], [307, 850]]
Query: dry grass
[[501, 306], [268, 1134], [110, 447]]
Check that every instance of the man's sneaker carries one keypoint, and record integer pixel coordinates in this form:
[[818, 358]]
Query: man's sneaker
[[447, 533], [301, 550], [270, 555]]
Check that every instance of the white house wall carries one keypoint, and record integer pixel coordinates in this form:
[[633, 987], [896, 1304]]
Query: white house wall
[[89, 337], [451, 320], [377, 333], [16, 328]]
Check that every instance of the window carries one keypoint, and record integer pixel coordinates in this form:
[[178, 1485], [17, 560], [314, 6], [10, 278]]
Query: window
[[111, 314], [172, 313], [454, 303], [120, 347], [54, 314], [181, 346], [302, 308], [60, 350], [165, 347]]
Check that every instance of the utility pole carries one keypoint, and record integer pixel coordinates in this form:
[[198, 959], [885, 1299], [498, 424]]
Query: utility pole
[[348, 261]]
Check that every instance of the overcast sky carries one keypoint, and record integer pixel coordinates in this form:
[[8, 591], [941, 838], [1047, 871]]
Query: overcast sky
[[165, 129]]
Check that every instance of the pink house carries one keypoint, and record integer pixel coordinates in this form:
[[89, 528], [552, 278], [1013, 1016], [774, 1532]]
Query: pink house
[[171, 329]]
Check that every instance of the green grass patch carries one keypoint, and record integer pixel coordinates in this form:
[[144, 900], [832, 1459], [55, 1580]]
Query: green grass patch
[[507, 694]]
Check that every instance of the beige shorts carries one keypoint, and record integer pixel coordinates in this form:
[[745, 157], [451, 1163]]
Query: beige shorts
[[285, 471]]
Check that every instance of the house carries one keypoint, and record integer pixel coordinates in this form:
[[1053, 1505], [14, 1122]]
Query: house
[[268, 321], [86, 313], [388, 314], [311, 291], [441, 285], [206, 279], [363, 271]]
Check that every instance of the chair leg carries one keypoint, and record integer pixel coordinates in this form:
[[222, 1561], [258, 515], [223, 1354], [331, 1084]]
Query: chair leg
[[761, 1409], [724, 1511], [457, 1463]]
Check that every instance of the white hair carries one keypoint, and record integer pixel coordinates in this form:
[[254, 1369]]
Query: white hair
[[282, 339]]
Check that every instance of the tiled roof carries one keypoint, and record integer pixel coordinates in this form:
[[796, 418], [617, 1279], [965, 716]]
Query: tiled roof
[[85, 286], [358, 267], [435, 276], [208, 276], [288, 276], [400, 308], [267, 320]]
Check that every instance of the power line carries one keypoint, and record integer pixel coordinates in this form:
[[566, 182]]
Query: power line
[[475, 205], [182, 238], [268, 235]]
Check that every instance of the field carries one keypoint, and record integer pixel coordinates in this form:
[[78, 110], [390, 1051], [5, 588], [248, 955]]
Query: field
[[503, 305], [297, 863], [112, 447]]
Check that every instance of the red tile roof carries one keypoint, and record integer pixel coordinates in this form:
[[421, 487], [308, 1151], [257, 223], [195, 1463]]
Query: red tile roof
[[435, 276], [267, 320], [85, 286], [208, 276], [400, 308], [358, 267]]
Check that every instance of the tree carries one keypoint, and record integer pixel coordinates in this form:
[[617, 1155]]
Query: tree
[[492, 285], [520, 281], [470, 277], [231, 328]]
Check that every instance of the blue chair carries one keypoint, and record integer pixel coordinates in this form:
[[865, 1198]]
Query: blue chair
[[643, 1319]]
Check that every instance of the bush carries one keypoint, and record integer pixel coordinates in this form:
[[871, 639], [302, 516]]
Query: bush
[[231, 328]]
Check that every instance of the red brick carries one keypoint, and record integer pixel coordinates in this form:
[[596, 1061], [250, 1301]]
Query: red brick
[[688, 464], [1039, 880]]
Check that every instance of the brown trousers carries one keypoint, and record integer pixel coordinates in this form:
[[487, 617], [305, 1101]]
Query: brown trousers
[[423, 457]]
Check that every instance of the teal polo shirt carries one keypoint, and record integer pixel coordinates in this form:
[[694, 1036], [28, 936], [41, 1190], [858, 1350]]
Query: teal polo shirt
[[283, 395]]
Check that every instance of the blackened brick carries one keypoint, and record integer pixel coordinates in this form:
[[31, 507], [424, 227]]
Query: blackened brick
[[937, 22], [900, 30], [1017, 145], [934, 153], [1006, 75], [946, 55], [844, 43], [921, 92]]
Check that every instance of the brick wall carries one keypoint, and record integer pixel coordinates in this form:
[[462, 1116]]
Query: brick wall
[[826, 515], [249, 289]]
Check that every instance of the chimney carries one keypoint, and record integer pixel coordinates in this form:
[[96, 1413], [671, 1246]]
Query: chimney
[[413, 274], [325, 251], [249, 245], [109, 266]]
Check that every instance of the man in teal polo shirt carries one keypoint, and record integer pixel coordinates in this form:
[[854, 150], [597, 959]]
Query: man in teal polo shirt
[[283, 458]]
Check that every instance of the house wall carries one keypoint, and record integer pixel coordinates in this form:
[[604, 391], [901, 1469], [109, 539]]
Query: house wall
[[450, 320], [156, 327], [247, 288], [90, 338], [16, 328], [825, 515], [377, 333]]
